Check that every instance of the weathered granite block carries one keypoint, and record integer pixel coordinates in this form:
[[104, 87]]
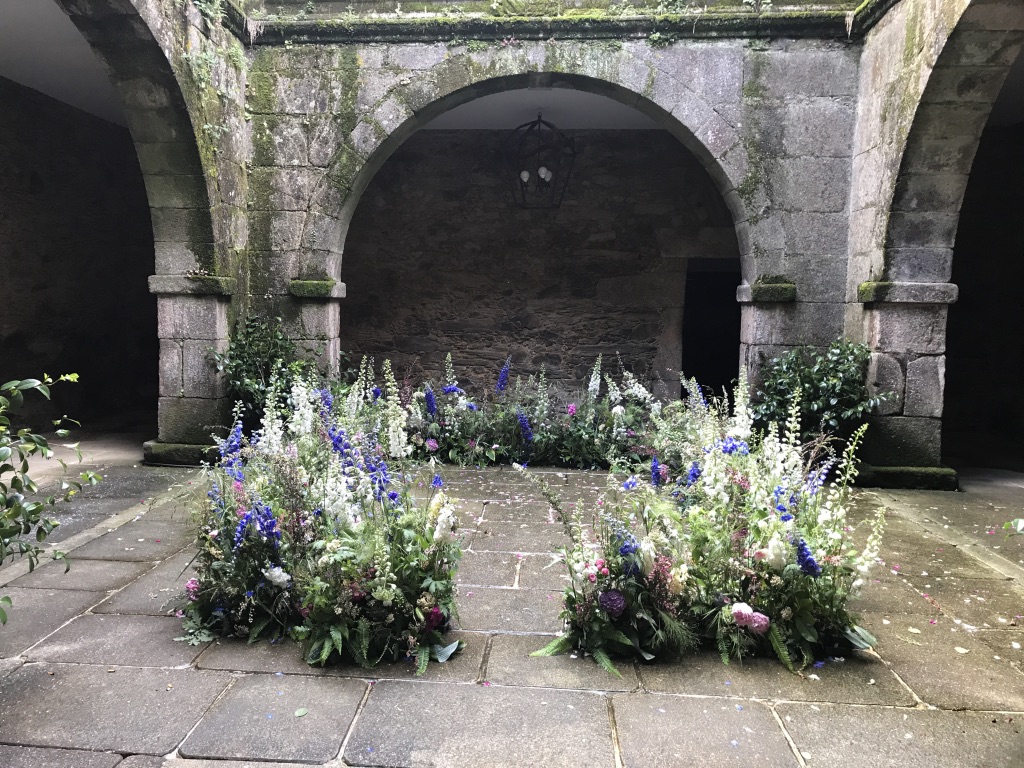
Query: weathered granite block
[[926, 379], [885, 376], [192, 317], [171, 381], [903, 441], [191, 420], [913, 328]]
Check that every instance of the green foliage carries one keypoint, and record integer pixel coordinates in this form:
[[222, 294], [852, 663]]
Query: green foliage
[[23, 526], [1015, 527], [259, 352], [831, 385], [211, 9], [661, 39]]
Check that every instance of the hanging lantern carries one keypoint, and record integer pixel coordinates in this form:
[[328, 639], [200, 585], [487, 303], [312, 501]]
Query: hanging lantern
[[538, 160]]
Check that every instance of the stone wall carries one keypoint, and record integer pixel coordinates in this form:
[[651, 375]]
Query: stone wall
[[76, 249], [438, 259]]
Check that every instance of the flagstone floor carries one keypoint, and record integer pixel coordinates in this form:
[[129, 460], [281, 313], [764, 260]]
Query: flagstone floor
[[91, 676]]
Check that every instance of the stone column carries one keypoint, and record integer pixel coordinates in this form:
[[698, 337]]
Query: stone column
[[315, 324], [905, 324], [192, 322]]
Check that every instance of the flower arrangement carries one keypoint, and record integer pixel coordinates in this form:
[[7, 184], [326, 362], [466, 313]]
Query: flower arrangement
[[740, 539], [518, 419], [305, 531]]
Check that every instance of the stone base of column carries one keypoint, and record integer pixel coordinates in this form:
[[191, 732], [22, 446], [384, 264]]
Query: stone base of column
[[918, 478], [161, 454]]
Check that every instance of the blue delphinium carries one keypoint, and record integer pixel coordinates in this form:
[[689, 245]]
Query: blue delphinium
[[260, 517], [655, 472], [437, 482], [631, 483], [806, 560], [731, 445], [376, 392], [454, 389], [431, 400], [471, 406], [502, 384], [786, 517], [524, 427], [231, 453], [694, 474], [379, 477]]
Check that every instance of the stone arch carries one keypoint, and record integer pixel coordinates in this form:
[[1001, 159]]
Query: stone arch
[[944, 136], [956, 56], [634, 77], [153, 53]]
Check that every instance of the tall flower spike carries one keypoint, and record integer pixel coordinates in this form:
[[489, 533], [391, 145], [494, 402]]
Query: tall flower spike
[[502, 384]]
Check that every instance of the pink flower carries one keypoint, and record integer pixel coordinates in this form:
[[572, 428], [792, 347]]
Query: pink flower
[[741, 614], [431, 445], [192, 590], [592, 577], [604, 571], [759, 623], [571, 409]]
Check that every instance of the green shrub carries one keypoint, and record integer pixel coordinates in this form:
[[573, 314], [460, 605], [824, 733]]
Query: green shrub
[[834, 397], [258, 352], [23, 528]]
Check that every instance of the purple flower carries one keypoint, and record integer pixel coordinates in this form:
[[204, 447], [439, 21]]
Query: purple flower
[[453, 389], [431, 445], [759, 623], [612, 602], [694, 474], [571, 409], [503, 376], [376, 393], [431, 401], [806, 560], [192, 590], [471, 406], [437, 482], [655, 472]]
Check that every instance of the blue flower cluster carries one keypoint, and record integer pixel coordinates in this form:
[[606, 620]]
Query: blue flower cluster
[[454, 389], [655, 472], [437, 482], [262, 518], [631, 483], [694, 474], [524, 427], [806, 560], [731, 445], [629, 545], [231, 453], [380, 478], [472, 406], [431, 401], [502, 384], [781, 505], [326, 401], [376, 392], [816, 478]]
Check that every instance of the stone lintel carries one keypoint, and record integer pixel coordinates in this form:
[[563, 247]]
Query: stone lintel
[[193, 285], [907, 293]]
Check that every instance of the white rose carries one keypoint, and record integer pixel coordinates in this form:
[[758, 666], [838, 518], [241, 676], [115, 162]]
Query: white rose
[[277, 576]]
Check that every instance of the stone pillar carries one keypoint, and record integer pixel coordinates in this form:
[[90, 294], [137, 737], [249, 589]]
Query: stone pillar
[[905, 324], [192, 322], [315, 323]]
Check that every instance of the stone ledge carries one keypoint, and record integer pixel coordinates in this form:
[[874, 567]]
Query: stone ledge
[[317, 289], [907, 293], [192, 285], [918, 478], [766, 293], [178, 454], [431, 29]]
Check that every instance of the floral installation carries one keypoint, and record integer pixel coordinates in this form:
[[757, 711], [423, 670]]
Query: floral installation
[[307, 531], [741, 538]]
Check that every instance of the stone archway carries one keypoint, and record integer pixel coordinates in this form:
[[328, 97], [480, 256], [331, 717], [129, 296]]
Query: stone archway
[[956, 55], [183, 103]]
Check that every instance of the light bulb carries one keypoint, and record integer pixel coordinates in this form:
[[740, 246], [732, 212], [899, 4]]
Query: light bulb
[[543, 172], [524, 176]]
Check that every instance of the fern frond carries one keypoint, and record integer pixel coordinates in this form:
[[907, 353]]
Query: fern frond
[[422, 659], [723, 648], [775, 638], [602, 658], [559, 645]]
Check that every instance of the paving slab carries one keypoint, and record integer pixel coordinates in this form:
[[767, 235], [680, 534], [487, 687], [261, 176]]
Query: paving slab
[[146, 711], [1006, 644], [9, 665], [285, 658], [87, 575], [256, 719], [899, 738], [519, 512], [659, 730], [36, 757], [38, 612], [138, 641], [496, 569], [519, 537], [979, 602], [157, 592], [147, 761], [543, 572], [929, 662], [509, 662], [890, 594], [416, 725], [858, 678], [82, 513], [490, 609], [143, 540]]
